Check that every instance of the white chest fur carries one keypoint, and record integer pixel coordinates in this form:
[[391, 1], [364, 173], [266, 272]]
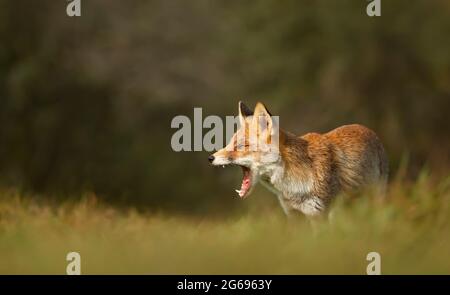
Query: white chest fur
[[293, 193]]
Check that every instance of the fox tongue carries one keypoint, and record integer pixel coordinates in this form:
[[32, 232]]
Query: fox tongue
[[246, 182]]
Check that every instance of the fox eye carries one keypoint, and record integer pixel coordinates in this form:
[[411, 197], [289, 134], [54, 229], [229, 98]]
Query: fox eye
[[241, 146]]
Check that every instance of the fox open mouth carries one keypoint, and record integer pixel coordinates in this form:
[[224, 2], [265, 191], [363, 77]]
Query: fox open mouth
[[246, 182]]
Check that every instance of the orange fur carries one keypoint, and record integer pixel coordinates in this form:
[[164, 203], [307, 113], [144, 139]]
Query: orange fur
[[305, 172], [345, 158]]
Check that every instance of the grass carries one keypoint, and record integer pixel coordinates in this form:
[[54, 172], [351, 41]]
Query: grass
[[410, 229]]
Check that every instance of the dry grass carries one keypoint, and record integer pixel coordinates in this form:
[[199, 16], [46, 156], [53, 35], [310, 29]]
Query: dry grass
[[410, 230]]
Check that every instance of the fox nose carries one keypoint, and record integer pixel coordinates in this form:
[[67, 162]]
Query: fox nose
[[211, 158]]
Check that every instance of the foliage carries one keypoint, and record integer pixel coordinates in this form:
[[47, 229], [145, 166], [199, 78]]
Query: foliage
[[86, 103], [409, 229]]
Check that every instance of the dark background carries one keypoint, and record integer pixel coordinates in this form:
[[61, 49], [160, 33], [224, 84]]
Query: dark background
[[86, 102]]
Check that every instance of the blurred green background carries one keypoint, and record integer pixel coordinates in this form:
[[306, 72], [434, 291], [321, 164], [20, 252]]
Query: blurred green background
[[86, 102]]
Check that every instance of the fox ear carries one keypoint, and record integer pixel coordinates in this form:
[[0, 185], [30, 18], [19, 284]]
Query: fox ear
[[244, 111], [262, 116]]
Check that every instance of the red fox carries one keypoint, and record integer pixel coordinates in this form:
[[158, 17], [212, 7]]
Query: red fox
[[306, 172]]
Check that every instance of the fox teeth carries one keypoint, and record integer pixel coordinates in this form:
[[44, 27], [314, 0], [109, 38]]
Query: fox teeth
[[239, 192], [223, 166]]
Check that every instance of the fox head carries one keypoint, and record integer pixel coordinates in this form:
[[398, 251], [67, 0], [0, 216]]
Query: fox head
[[254, 146]]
